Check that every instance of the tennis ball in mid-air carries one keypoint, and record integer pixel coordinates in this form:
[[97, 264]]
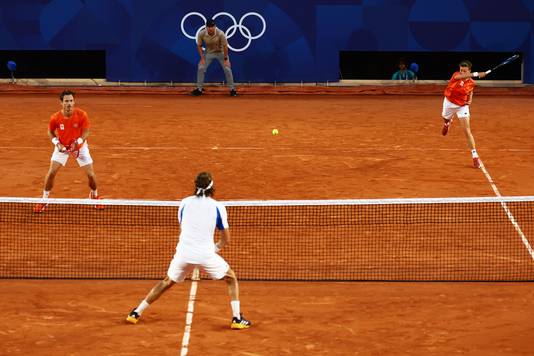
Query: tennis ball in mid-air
[[275, 132]]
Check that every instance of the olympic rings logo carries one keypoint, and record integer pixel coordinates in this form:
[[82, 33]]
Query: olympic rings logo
[[230, 31]]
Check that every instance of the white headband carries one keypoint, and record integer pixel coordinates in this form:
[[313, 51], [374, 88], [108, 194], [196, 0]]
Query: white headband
[[202, 190]]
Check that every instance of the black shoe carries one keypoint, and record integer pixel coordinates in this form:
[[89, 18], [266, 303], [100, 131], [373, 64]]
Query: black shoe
[[133, 317], [241, 323], [233, 92], [196, 92]]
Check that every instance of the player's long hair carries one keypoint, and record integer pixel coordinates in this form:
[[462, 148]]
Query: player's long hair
[[204, 185]]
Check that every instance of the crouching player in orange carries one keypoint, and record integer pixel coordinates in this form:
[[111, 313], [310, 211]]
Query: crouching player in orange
[[68, 130], [458, 97]]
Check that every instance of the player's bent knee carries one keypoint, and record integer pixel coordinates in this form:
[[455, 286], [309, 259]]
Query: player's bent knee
[[230, 274], [54, 168], [167, 281]]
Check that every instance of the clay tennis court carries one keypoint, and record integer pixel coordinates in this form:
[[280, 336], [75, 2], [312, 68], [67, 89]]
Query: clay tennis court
[[150, 145]]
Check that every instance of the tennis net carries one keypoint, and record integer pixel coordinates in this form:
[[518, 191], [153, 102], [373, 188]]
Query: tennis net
[[460, 239]]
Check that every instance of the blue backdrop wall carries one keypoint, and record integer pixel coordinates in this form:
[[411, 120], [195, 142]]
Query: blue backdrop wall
[[276, 40]]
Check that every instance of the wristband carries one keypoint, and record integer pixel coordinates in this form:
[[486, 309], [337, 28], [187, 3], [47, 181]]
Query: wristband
[[79, 141], [55, 141], [475, 74]]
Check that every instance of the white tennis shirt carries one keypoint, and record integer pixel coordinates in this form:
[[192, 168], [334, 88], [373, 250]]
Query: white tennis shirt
[[198, 217]]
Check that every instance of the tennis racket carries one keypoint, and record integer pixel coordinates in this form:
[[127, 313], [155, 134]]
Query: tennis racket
[[74, 149], [503, 63]]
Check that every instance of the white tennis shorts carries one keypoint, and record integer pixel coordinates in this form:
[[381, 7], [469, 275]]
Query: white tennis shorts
[[449, 109], [83, 159], [181, 265]]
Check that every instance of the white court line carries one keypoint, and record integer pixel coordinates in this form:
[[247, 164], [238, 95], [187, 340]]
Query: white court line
[[270, 148], [142, 148], [189, 314], [507, 211]]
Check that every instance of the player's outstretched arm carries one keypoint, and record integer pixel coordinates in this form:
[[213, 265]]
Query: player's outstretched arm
[[469, 75]]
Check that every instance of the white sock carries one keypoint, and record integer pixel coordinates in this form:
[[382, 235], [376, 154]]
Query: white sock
[[94, 193], [142, 307], [236, 312], [46, 194], [474, 153]]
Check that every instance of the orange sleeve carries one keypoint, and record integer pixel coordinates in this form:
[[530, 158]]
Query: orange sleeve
[[52, 125], [85, 121], [453, 75], [471, 86]]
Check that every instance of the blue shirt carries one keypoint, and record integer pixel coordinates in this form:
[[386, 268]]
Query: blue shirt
[[403, 75]]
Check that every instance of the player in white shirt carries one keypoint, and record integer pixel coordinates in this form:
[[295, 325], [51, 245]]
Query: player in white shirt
[[199, 215]]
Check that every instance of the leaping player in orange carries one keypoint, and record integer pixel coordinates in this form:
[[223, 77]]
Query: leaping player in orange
[[68, 129], [458, 97]]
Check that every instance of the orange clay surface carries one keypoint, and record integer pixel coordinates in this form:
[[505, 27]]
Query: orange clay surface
[[151, 147]]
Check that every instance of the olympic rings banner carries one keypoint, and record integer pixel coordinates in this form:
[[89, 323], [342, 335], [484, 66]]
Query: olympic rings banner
[[270, 41], [230, 31]]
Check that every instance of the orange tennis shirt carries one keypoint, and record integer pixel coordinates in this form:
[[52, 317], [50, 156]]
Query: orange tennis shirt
[[458, 90], [68, 129]]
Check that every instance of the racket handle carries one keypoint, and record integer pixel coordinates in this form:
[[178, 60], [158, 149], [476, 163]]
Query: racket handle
[[488, 71]]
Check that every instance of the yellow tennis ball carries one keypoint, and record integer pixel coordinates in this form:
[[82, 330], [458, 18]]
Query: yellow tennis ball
[[275, 131]]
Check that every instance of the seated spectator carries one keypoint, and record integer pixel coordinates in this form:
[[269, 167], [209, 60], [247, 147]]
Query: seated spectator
[[403, 73]]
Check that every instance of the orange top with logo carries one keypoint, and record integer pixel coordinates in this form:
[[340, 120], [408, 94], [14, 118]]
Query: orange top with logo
[[458, 90], [68, 129]]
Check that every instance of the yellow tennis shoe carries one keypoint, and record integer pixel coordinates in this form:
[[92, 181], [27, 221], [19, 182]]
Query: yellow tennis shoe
[[241, 323], [133, 317]]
